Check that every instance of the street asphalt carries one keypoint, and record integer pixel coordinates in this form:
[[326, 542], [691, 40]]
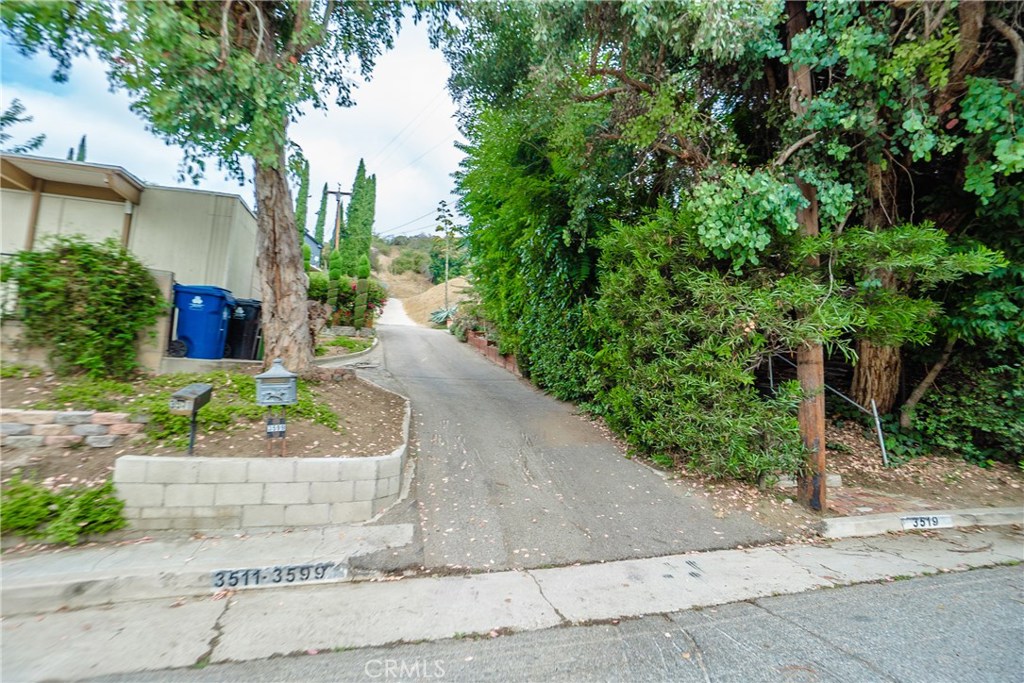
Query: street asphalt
[[509, 477], [956, 628]]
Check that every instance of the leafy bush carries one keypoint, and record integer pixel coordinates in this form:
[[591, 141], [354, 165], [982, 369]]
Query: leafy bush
[[62, 516], [458, 261], [348, 292], [679, 342], [410, 261], [976, 412], [318, 285], [86, 303]]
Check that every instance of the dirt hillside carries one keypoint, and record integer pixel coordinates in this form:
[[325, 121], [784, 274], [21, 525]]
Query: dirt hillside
[[420, 306], [400, 286]]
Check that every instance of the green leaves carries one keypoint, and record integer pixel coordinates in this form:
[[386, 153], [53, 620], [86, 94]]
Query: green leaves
[[741, 213], [86, 303]]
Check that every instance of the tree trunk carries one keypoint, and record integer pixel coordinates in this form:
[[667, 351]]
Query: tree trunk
[[282, 280], [877, 373], [810, 360]]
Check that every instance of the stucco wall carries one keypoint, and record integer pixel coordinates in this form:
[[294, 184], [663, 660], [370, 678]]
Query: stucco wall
[[58, 215], [203, 238]]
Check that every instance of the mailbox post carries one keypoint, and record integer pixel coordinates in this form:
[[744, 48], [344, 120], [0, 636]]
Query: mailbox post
[[188, 401], [277, 387]]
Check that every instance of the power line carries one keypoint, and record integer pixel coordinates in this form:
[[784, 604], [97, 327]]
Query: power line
[[421, 227], [406, 223], [430, 106]]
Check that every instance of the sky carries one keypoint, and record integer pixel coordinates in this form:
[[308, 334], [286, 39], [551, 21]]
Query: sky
[[402, 124]]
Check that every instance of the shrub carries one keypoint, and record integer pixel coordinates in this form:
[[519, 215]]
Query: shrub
[[85, 303], [976, 412], [318, 285], [410, 261], [34, 511], [679, 342]]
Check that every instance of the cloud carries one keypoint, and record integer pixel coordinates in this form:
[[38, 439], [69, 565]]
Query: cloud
[[402, 124]]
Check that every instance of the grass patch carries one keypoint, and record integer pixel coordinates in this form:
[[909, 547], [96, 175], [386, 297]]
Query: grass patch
[[350, 344]]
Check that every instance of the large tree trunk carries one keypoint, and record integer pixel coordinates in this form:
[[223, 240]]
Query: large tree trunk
[[282, 280], [810, 360], [877, 373]]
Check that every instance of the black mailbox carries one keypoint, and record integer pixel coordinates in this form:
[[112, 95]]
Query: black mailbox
[[189, 400]]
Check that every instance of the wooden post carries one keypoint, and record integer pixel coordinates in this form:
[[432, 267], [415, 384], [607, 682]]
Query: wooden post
[[33, 214], [810, 358]]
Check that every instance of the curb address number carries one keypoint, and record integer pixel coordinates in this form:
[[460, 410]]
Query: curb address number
[[281, 575], [926, 522]]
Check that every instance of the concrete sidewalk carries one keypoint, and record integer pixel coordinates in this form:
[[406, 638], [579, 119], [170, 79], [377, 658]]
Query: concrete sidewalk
[[189, 622]]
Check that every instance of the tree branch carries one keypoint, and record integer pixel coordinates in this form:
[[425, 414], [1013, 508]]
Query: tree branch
[[597, 96], [622, 76], [224, 44], [792, 149], [1018, 46], [932, 23], [907, 410]]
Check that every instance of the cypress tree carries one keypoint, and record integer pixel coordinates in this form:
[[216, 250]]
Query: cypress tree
[[81, 150], [302, 200], [321, 218]]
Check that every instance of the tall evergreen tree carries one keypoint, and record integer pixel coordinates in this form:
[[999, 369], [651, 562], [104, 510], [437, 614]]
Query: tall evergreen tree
[[321, 217], [302, 198], [81, 150]]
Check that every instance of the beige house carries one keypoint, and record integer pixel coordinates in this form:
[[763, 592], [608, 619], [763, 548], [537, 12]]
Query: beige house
[[187, 236]]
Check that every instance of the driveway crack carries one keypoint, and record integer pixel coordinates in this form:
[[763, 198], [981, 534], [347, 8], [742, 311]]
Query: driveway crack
[[218, 633], [551, 604]]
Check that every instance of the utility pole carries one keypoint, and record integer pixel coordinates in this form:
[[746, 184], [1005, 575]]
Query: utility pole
[[337, 215], [810, 358]]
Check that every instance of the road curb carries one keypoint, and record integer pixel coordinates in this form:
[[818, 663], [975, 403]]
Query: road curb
[[884, 523], [324, 361]]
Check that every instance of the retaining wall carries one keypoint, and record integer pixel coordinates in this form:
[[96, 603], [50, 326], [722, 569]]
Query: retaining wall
[[37, 428], [489, 350], [241, 493]]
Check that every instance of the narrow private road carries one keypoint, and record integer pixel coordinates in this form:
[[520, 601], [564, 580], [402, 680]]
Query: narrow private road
[[509, 477]]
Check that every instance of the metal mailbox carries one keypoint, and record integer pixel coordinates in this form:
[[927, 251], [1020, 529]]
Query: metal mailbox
[[189, 400], [277, 386]]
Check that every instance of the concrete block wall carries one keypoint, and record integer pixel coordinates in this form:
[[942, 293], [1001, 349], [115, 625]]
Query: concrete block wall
[[191, 492], [37, 428], [242, 493]]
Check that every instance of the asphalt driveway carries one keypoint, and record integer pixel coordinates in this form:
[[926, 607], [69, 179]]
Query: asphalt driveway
[[507, 476]]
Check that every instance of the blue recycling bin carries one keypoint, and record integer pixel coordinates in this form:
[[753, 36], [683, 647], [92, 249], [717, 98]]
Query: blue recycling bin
[[203, 314]]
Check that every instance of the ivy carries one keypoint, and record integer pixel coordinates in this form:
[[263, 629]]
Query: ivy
[[85, 303]]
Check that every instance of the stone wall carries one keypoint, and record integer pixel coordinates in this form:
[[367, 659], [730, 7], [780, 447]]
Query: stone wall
[[37, 428]]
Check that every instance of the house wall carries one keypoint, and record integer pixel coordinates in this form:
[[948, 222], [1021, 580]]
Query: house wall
[[203, 238], [96, 219]]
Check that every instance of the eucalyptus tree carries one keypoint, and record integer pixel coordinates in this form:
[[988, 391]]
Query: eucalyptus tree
[[226, 79], [12, 115]]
